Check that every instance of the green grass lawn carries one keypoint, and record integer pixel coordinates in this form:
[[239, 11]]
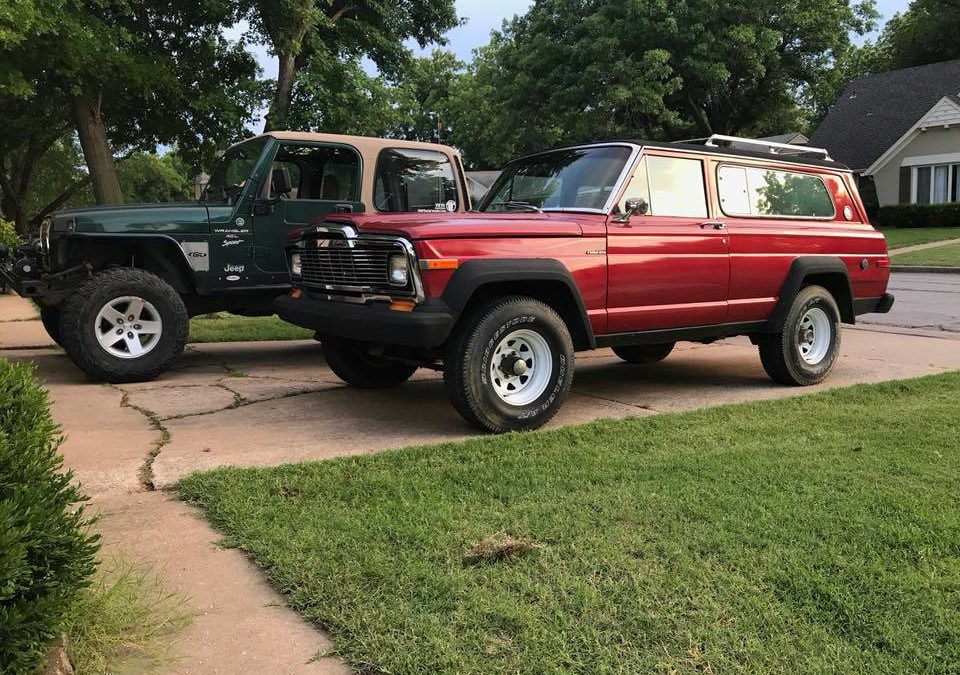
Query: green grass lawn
[[818, 534], [919, 235], [225, 327], [942, 256]]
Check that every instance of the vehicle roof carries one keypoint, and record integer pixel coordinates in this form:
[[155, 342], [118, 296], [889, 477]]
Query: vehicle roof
[[710, 150], [361, 143]]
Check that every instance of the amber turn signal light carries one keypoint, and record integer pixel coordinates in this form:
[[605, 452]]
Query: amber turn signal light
[[402, 305], [440, 264], [296, 293]]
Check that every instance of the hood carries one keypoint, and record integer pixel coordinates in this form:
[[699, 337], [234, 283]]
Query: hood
[[140, 218], [461, 225]]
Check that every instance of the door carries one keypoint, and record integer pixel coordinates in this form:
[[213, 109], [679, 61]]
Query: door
[[322, 179], [670, 267]]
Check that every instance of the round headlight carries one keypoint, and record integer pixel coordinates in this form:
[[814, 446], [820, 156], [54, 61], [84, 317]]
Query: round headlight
[[398, 272], [296, 268]]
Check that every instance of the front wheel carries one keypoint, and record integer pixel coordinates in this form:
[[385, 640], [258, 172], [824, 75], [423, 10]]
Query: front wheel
[[804, 352], [124, 325], [364, 366], [509, 366]]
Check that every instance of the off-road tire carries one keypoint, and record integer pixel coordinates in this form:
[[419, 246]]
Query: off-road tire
[[357, 365], [78, 319], [643, 354], [780, 353], [50, 318], [470, 352]]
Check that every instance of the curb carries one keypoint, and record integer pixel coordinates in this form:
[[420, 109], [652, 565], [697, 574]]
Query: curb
[[925, 270]]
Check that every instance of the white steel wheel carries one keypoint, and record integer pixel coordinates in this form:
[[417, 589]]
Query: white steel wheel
[[814, 335], [128, 327], [521, 367]]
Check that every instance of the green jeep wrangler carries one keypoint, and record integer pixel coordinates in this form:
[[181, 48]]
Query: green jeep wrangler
[[116, 285]]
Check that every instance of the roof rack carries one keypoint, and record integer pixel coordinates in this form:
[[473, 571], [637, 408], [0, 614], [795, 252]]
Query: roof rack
[[721, 141]]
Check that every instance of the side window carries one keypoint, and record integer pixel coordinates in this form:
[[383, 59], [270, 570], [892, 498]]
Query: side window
[[676, 187], [414, 180], [321, 173], [752, 191]]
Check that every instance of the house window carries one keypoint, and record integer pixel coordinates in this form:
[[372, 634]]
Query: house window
[[936, 184]]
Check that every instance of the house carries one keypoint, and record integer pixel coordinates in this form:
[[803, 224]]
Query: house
[[793, 138], [900, 132]]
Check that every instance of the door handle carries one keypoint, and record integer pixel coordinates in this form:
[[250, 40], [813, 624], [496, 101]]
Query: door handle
[[715, 226]]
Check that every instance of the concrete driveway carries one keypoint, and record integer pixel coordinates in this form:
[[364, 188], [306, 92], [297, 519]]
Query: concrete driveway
[[258, 404]]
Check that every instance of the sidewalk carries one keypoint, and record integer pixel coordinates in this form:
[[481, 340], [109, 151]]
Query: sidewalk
[[923, 247], [240, 623]]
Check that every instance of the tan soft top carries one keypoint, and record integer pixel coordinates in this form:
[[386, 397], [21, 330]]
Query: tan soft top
[[361, 143], [369, 149]]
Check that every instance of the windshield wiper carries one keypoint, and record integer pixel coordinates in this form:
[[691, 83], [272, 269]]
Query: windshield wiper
[[518, 205]]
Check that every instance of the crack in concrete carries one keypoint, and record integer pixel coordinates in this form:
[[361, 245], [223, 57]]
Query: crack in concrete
[[618, 402], [146, 469]]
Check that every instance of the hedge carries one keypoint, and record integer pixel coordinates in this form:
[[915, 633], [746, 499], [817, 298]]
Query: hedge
[[46, 552], [918, 215]]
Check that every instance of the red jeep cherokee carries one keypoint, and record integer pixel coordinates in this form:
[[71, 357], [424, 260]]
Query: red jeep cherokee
[[629, 245]]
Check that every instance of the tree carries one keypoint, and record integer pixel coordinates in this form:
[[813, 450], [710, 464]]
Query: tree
[[300, 30], [569, 70], [131, 75], [925, 33]]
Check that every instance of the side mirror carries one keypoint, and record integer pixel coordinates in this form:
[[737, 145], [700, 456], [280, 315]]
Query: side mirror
[[635, 206], [280, 182]]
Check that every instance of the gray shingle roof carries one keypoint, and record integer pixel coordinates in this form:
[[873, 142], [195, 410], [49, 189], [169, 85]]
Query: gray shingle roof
[[876, 110]]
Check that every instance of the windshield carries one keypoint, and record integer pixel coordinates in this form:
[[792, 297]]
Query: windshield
[[576, 178], [230, 174]]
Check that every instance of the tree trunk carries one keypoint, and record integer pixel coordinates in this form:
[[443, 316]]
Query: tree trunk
[[85, 108], [280, 107]]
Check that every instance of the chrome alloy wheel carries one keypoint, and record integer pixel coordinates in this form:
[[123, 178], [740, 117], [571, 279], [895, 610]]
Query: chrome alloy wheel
[[128, 327], [814, 335], [521, 367]]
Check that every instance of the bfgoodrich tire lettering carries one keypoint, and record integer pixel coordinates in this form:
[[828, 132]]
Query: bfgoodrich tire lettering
[[804, 352], [528, 335], [79, 329]]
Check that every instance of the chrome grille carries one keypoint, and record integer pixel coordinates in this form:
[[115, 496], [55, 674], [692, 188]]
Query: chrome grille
[[364, 265]]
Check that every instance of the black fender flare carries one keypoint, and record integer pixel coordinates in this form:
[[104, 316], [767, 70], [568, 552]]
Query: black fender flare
[[181, 269], [473, 275], [802, 269]]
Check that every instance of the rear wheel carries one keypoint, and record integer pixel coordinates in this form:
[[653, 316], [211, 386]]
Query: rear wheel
[[509, 366], [641, 354], [365, 366], [50, 318], [124, 325], [804, 352]]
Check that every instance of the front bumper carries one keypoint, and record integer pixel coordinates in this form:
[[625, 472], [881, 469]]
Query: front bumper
[[427, 326]]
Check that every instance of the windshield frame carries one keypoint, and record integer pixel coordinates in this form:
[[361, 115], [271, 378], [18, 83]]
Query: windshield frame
[[619, 185], [249, 183]]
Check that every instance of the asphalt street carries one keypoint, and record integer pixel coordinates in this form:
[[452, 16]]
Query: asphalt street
[[924, 301]]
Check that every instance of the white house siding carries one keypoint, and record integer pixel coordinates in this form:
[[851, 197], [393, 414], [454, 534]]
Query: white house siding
[[933, 141]]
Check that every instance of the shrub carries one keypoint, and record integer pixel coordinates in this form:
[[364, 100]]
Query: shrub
[[918, 215], [8, 235], [46, 553]]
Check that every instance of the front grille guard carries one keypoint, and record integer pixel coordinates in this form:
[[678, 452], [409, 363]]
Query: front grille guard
[[362, 293]]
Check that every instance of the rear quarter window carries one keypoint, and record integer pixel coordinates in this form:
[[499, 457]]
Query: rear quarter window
[[756, 192], [414, 180]]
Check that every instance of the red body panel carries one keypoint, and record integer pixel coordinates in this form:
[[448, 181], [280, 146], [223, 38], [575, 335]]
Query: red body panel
[[659, 272]]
